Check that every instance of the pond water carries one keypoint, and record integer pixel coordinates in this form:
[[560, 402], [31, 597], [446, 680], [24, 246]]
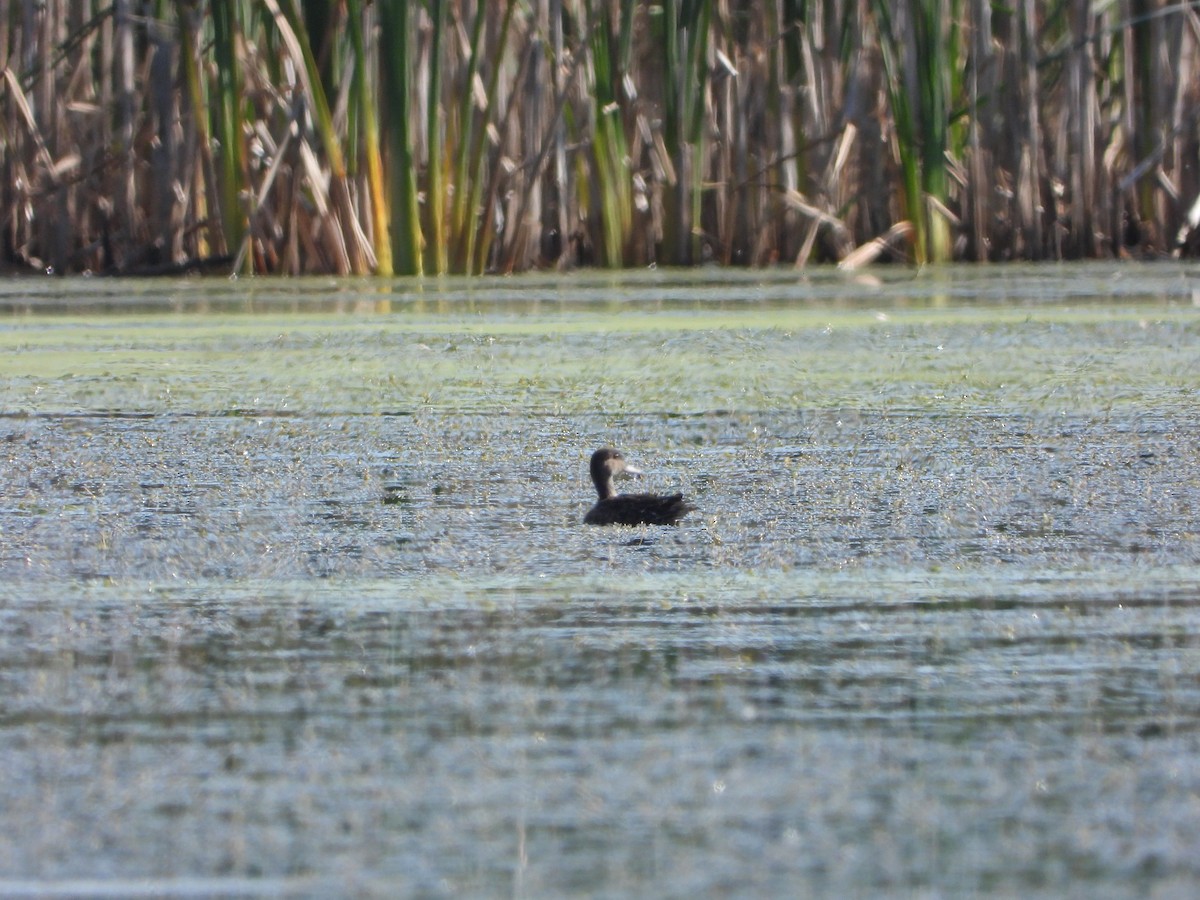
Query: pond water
[[295, 597]]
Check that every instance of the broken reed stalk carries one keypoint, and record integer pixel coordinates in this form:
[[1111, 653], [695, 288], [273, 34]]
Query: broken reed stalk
[[677, 131], [479, 233]]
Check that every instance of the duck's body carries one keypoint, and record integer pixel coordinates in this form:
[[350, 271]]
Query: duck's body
[[639, 509], [629, 509]]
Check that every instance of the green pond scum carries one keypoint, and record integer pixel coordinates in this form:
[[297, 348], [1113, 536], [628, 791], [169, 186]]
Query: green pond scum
[[295, 594], [673, 343]]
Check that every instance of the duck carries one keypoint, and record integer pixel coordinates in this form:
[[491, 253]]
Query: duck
[[629, 509]]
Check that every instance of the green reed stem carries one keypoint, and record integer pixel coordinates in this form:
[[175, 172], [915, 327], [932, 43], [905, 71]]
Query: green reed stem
[[435, 200], [406, 223], [461, 216], [920, 114], [231, 165], [609, 149]]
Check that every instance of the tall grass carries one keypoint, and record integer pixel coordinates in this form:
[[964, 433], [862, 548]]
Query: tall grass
[[405, 238], [225, 110], [387, 136], [919, 47], [409, 239]]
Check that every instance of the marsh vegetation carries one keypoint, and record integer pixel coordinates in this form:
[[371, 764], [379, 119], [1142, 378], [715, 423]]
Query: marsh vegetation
[[459, 137]]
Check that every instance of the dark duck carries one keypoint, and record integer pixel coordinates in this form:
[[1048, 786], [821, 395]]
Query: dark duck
[[629, 509]]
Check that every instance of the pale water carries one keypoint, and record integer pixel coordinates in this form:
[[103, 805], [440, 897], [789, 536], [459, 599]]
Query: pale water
[[296, 600]]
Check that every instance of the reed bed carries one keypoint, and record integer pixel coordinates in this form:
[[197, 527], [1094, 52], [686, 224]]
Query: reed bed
[[277, 136]]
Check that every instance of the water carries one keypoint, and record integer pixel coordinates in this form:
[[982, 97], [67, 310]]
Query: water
[[295, 598]]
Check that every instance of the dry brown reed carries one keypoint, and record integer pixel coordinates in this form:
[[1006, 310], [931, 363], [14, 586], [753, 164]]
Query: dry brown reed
[[285, 136]]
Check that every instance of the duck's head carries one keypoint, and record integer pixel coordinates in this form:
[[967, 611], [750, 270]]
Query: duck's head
[[608, 463]]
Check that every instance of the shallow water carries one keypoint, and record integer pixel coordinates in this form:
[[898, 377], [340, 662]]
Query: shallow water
[[295, 598]]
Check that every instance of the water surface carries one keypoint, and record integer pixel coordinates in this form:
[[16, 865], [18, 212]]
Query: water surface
[[295, 596]]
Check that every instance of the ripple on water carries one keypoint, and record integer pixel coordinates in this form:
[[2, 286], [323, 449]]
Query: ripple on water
[[303, 604]]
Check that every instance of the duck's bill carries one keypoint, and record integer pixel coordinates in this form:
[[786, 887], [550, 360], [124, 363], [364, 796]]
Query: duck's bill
[[632, 470]]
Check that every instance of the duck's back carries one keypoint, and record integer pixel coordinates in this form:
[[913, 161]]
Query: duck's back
[[639, 509]]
